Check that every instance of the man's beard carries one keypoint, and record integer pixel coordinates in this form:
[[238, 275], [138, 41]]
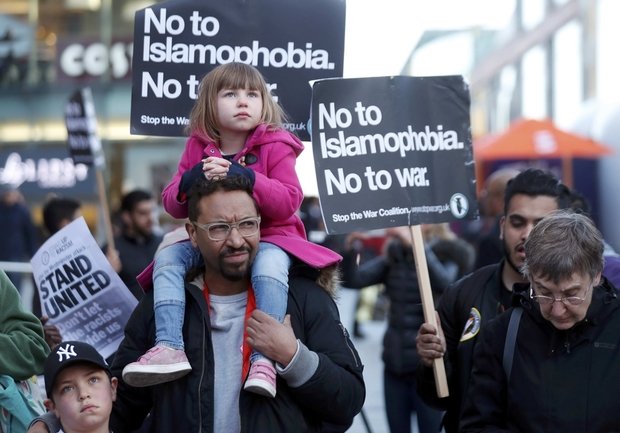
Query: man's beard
[[234, 273], [144, 233], [508, 257]]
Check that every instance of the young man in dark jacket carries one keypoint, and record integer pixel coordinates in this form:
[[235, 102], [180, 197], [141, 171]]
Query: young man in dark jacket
[[560, 372], [320, 384], [471, 302]]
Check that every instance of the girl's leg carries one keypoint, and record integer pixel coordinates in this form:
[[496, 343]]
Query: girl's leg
[[270, 284], [171, 265], [166, 361]]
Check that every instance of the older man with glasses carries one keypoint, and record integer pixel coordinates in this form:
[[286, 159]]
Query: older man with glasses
[[551, 364]]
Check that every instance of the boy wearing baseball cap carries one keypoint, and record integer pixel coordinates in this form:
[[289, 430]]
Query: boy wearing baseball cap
[[80, 389]]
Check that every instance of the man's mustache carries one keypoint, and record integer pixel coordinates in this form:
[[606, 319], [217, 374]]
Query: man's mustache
[[229, 251]]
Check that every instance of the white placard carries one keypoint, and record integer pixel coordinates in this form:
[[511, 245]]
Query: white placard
[[79, 290]]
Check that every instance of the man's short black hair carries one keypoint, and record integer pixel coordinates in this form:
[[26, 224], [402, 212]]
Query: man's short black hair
[[579, 203], [132, 198], [535, 182], [58, 209], [203, 188]]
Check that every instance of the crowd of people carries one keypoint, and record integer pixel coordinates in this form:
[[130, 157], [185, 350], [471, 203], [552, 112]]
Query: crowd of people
[[237, 328]]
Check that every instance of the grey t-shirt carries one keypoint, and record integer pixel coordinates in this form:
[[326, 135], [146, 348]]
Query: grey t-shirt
[[227, 322]]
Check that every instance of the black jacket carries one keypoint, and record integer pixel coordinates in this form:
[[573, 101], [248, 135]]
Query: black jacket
[[473, 301], [334, 394], [135, 255], [561, 381]]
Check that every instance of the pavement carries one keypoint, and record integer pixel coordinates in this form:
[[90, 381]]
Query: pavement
[[372, 419]]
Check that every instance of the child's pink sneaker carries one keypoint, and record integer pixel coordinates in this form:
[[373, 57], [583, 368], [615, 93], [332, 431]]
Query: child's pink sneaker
[[159, 364], [262, 378]]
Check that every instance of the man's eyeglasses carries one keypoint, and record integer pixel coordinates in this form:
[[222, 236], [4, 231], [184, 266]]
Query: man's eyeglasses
[[566, 300], [220, 231]]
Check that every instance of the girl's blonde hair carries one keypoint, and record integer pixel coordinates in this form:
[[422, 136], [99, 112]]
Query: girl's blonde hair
[[203, 117]]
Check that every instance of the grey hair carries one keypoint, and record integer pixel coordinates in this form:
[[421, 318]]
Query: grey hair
[[562, 244]]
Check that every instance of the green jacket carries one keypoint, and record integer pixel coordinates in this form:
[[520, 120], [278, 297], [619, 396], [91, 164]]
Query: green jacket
[[22, 345]]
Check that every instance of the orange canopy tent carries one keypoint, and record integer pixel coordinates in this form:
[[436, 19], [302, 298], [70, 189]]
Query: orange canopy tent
[[538, 139]]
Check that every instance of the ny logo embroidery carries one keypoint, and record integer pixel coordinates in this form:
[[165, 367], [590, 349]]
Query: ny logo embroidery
[[67, 351]]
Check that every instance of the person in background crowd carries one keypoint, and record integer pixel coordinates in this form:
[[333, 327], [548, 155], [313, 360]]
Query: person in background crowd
[[310, 214], [395, 268], [560, 373], [467, 305], [451, 250], [59, 212], [18, 233], [489, 248], [370, 300], [137, 243]]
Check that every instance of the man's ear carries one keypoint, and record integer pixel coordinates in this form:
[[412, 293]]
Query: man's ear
[[126, 218], [502, 220], [114, 386], [49, 404], [191, 231]]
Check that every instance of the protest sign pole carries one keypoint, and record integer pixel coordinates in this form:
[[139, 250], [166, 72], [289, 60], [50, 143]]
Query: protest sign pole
[[428, 306], [103, 200], [85, 147]]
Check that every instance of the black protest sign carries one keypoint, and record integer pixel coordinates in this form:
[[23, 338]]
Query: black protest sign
[[81, 122], [392, 151], [177, 42]]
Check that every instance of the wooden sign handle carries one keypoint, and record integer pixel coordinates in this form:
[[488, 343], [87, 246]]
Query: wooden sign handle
[[428, 306], [103, 200]]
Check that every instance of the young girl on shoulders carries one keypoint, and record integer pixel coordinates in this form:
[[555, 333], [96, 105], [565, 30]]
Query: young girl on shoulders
[[235, 130]]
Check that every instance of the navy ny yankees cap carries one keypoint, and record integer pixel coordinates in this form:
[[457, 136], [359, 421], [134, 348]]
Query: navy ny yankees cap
[[68, 353]]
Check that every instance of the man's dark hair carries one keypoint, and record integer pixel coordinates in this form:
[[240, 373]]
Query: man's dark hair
[[132, 198], [58, 209], [579, 203], [204, 188], [534, 182]]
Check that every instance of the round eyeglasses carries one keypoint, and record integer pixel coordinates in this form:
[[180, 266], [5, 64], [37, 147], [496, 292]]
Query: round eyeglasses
[[566, 300], [220, 231]]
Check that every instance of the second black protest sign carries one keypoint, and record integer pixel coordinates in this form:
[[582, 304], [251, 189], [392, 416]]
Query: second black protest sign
[[392, 151]]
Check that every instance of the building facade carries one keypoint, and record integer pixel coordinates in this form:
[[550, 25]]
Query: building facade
[[48, 50], [554, 59]]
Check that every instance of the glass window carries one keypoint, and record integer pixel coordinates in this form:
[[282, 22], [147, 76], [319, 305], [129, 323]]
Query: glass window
[[47, 41], [532, 13], [607, 60], [568, 73], [534, 84]]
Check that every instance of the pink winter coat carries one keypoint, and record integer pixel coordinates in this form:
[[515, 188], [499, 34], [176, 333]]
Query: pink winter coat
[[276, 190]]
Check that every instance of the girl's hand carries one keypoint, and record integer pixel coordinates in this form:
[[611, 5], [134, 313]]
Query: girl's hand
[[215, 167]]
